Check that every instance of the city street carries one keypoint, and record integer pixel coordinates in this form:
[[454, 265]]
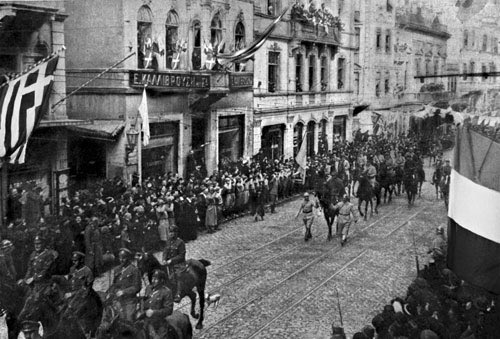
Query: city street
[[275, 285]]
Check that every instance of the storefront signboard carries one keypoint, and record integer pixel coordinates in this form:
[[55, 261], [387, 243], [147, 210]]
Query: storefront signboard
[[241, 80], [169, 80]]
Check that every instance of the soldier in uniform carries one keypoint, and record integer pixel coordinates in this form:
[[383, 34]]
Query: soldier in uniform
[[126, 285], [174, 256], [31, 329], [371, 172], [39, 266], [307, 209], [7, 268], [158, 304], [80, 276], [347, 213]]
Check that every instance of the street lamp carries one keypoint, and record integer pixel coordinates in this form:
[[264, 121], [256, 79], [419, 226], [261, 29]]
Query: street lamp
[[132, 136]]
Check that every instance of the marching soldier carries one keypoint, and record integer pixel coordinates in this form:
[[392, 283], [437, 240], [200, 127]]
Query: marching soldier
[[80, 276], [39, 266], [347, 213], [7, 268], [174, 256], [158, 304], [307, 209], [126, 285]]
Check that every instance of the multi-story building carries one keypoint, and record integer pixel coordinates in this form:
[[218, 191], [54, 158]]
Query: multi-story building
[[29, 32], [303, 84], [199, 110]]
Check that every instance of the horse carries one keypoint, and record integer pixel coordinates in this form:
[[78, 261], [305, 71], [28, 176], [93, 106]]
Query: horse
[[12, 299], [411, 185], [366, 193], [195, 275], [386, 180], [42, 306], [398, 180], [420, 176], [329, 213]]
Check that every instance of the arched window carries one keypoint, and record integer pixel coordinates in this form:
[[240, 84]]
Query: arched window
[[144, 37], [239, 40], [466, 38], [485, 43], [298, 134], [311, 126], [216, 30], [172, 30], [196, 56]]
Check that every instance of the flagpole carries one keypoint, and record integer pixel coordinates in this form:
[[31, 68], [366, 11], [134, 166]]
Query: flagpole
[[139, 148]]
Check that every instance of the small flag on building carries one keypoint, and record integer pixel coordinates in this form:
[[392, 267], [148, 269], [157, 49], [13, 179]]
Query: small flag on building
[[473, 212], [23, 102], [143, 111], [301, 158]]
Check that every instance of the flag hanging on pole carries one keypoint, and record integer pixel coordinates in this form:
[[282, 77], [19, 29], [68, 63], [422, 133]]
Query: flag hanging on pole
[[143, 111], [473, 213], [23, 102], [301, 158]]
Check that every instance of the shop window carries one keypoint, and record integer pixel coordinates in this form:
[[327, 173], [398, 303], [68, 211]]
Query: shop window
[[312, 71], [144, 37], [196, 56], [340, 73], [231, 139], [323, 138], [216, 31], [172, 31], [273, 71], [298, 73], [324, 73]]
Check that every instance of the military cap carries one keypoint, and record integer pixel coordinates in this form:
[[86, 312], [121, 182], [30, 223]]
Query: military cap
[[38, 239], [162, 276], [125, 251], [306, 194], [78, 254], [30, 326]]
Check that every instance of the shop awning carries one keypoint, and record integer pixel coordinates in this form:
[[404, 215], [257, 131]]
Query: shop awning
[[358, 109], [106, 130]]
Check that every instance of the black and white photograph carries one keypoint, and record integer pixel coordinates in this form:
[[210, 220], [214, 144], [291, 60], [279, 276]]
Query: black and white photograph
[[249, 169]]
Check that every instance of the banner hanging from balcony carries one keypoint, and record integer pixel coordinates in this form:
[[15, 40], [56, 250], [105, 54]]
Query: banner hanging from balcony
[[23, 102], [248, 52]]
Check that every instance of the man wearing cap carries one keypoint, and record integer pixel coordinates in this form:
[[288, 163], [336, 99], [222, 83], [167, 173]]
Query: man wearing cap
[[158, 304], [80, 276], [347, 213], [307, 209], [126, 284], [39, 265], [174, 256], [7, 268], [371, 172], [31, 329], [438, 249]]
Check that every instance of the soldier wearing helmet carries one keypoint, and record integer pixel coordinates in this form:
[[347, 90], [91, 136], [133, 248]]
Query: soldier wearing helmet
[[174, 256], [7, 268], [347, 213], [80, 276], [39, 265], [158, 304], [307, 209], [126, 285]]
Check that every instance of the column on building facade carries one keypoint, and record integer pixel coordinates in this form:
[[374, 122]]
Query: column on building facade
[[212, 141], [288, 141], [316, 136]]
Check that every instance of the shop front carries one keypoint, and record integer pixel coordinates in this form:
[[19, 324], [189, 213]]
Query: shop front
[[339, 128], [231, 138], [161, 155], [272, 141]]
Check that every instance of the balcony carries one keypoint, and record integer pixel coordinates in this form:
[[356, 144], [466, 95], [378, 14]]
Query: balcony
[[276, 102]]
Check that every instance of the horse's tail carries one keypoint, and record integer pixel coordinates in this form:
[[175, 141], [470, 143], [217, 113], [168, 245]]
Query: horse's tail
[[205, 262]]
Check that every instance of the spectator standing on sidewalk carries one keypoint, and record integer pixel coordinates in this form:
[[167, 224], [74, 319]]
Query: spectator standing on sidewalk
[[273, 192]]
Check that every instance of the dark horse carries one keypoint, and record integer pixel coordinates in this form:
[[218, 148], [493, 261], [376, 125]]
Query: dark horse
[[42, 306], [177, 326], [194, 276], [387, 180], [366, 193], [329, 212], [411, 185], [12, 298], [420, 176]]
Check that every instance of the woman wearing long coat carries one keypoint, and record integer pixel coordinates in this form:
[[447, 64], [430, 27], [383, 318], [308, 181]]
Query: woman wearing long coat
[[211, 216]]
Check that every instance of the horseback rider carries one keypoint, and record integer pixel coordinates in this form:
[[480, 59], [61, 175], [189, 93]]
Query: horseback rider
[[400, 160], [80, 276], [126, 285], [158, 304], [39, 266], [7, 268], [371, 172], [174, 256], [335, 188], [347, 213]]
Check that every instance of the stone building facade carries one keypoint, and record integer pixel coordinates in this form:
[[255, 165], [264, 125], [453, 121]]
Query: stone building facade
[[29, 32], [199, 110], [303, 86]]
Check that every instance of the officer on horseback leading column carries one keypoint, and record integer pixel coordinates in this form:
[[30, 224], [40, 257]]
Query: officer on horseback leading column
[[80, 276], [174, 256], [39, 266]]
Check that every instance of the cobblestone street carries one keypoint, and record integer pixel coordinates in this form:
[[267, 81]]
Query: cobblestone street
[[275, 285]]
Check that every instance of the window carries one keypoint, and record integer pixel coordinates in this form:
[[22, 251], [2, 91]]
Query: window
[[378, 39], [356, 82], [466, 38], [427, 67], [436, 67], [312, 70], [239, 40], [387, 83], [324, 73], [357, 43], [417, 67], [377, 85], [495, 45], [341, 6], [388, 41], [472, 39], [272, 7], [357, 16], [341, 73], [196, 56], [493, 68], [298, 73], [464, 71], [144, 37], [171, 29], [484, 47], [472, 67], [216, 31], [273, 71], [484, 71]]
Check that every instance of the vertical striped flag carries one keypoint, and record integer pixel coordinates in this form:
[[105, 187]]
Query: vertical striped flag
[[143, 111], [473, 211], [23, 102]]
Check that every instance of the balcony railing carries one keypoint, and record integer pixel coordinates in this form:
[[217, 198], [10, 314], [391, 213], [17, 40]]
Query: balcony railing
[[282, 101]]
